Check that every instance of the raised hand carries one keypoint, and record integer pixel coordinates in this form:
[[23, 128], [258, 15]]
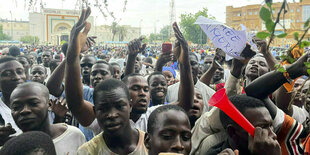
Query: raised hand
[[59, 107], [263, 142], [181, 47], [77, 38], [90, 41], [5, 132], [136, 46]]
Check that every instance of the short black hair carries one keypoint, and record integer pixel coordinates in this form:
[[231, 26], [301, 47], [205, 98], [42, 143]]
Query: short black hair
[[115, 64], [191, 53], [242, 103], [104, 62], [108, 85], [53, 63], [7, 59], [64, 48], [14, 51], [154, 73], [24, 56], [125, 79], [38, 65], [28, 142], [152, 121]]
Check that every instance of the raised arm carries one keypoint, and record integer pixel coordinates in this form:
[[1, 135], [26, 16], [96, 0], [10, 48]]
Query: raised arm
[[270, 82], [207, 76], [82, 110], [271, 61], [54, 83], [186, 88], [163, 58], [134, 48]]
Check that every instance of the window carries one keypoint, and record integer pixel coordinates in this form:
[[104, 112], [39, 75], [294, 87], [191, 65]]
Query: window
[[250, 13], [238, 14], [297, 10], [292, 10], [297, 20], [305, 12], [255, 13], [243, 13]]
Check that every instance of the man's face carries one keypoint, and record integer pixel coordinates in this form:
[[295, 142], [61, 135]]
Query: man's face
[[300, 97], [24, 62], [117, 72], [86, 65], [99, 72], [195, 65], [169, 77], [139, 93], [32, 59], [218, 75], [208, 61], [38, 74], [196, 111], [138, 65], [46, 58], [172, 133], [158, 87], [256, 67], [112, 110], [12, 73], [258, 117], [29, 108]]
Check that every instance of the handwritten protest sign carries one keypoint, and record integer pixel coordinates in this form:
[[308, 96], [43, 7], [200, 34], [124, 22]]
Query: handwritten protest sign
[[231, 41], [249, 38]]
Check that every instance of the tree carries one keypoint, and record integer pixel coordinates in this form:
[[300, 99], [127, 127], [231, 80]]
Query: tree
[[122, 31], [114, 29], [3, 36], [30, 39], [192, 32], [164, 33]]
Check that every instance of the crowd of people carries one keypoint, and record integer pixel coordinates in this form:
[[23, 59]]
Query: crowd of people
[[89, 100]]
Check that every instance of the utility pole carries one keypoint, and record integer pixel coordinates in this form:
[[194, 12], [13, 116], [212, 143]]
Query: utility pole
[[11, 25], [172, 17]]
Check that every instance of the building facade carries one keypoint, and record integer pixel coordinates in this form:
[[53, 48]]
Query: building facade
[[14, 28], [52, 26], [294, 20]]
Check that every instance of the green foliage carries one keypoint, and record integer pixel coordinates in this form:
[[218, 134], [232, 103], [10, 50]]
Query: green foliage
[[308, 71], [3, 36], [283, 35], [122, 31], [307, 23], [114, 29], [30, 39], [280, 68], [304, 44], [307, 64], [191, 31], [290, 59], [296, 35], [162, 36], [269, 25], [262, 35], [265, 14]]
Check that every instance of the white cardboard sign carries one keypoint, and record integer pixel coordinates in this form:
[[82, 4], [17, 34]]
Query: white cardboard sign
[[231, 41]]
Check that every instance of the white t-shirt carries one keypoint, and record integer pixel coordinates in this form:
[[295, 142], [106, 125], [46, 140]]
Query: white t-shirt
[[206, 92], [141, 123], [5, 112], [69, 142], [299, 114]]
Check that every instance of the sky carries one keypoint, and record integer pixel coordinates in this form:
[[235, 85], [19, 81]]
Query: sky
[[151, 15]]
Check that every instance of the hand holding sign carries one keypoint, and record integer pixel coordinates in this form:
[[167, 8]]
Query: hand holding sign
[[231, 41]]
